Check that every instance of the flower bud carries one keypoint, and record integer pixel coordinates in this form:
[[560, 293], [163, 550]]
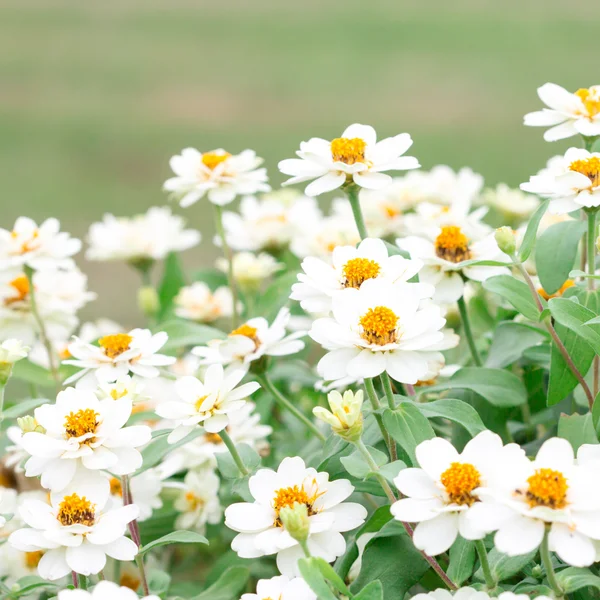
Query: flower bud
[[295, 521], [505, 238], [28, 424], [345, 416], [11, 351], [148, 300]]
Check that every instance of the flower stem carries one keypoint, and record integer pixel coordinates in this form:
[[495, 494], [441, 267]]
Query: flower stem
[[83, 582], [139, 561], [591, 247], [283, 401], [229, 258], [352, 191], [466, 323], [387, 386], [547, 562], [304, 546], [372, 394], [237, 459], [1, 404], [74, 579], [490, 582]]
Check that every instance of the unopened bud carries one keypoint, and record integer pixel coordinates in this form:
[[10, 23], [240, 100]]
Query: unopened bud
[[345, 416], [505, 238], [295, 521], [28, 424], [148, 300]]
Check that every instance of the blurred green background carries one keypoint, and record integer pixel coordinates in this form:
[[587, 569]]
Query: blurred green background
[[96, 96]]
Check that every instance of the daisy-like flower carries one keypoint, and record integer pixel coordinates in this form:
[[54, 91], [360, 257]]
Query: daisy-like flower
[[219, 175], [145, 490], [74, 531], [206, 403], [198, 303], [150, 236], [550, 492], [468, 593], [571, 182], [356, 157], [441, 256], [381, 327], [350, 267], [101, 591], [568, 114], [282, 588], [119, 354], [11, 351], [82, 431], [250, 270], [261, 532], [440, 494], [198, 501]]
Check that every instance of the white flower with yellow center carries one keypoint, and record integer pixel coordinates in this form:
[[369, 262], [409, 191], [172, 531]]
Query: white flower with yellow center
[[568, 114], [281, 588], [219, 175], [440, 494], [145, 490], [39, 247], [150, 236], [119, 354], [125, 387], [356, 157], [550, 492], [571, 183], [350, 267], [82, 431], [74, 531], [206, 403], [198, 501], [381, 327], [197, 302], [103, 590], [251, 270], [261, 532]]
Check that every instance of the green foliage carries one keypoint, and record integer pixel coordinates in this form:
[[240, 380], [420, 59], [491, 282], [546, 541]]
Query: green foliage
[[531, 232], [185, 333], [228, 586], [510, 342], [176, 537], [516, 293], [173, 279], [407, 425], [462, 560]]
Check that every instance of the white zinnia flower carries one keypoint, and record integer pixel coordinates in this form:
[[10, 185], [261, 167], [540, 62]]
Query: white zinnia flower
[[206, 403], [198, 303], [260, 531], [355, 156], [83, 431], [12, 350], [250, 270], [103, 590], [281, 588], [568, 114], [350, 267], [218, 174], [150, 236], [198, 502], [381, 327]]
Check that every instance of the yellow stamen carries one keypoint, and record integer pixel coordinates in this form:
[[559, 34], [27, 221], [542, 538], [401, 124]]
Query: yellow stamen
[[74, 510], [116, 489], [199, 402], [452, 245], [249, 332], [129, 581], [289, 496], [348, 150], [32, 559], [212, 159], [379, 326], [212, 438], [83, 421], [357, 270], [460, 479], [547, 488], [116, 344], [590, 101], [194, 502], [590, 167], [21, 286], [563, 288]]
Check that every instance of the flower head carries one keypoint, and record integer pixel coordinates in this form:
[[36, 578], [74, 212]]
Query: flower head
[[251, 270], [281, 588], [198, 303], [345, 417], [198, 501], [11, 351], [101, 591]]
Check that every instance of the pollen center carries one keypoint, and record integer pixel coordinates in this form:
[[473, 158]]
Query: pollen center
[[460, 479], [213, 159], [563, 288], [194, 502], [591, 101], [129, 581], [452, 245], [213, 438], [83, 421], [289, 496], [547, 488], [590, 167], [116, 344], [357, 270], [379, 326], [74, 510], [32, 559], [348, 150], [21, 286], [116, 489]]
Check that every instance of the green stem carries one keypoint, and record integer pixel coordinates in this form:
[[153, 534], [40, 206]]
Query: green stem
[[387, 386], [229, 258], [139, 561], [352, 191], [304, 546], [1, 404], [83, 582], [283, 401], [490, 582], [464, 317], [591, 247], [372, 394], [547, 562], [237, 459]]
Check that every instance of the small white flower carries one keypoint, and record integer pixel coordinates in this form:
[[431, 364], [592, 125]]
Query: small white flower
[[260, 531], [281, 588], [82, 431], [198, 501], [355, 156], [12, 350], [145, 490], [198, 303], [568, 114], [103, 590], [250, 270], [510, 202], [217, 174], [206, 403], [150, 236], [124, 387]]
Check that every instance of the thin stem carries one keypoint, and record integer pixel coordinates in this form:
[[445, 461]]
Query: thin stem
[[229, 258], [372, 394], [75, 579], [283, 401], [139, 561], [352, 191], [389, 392], [1, 404], [304, 546], [237, 459], [547, 562], [591, 248], [464, 317], [490, 582], [101, 576], [410, 389]]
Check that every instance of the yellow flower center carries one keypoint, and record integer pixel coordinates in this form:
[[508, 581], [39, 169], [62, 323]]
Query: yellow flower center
[[83, 421], [590, 167], [21, 286], [547, 488], [116, 489], [590, 101], [74, 510], [379, 326], [348, 150], [213, 159], [452, 245], [27, 245], [249, 332], [289, 496], [213, 438], [460, 479], [357, 270], [32, 559], [563, 288], [116, 344], [194, 502], [115, 394], [129, 581], [199, 402]]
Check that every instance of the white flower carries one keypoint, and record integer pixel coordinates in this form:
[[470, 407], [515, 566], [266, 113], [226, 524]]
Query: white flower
[[198, 501], [120, 354], [509, 201], [82, 431], [206, 403], [350, 267], [250, 270], [198, 303], [103, 590], [450, 247], [568, 114], [12, 350], [40, 247], [381, 327], [218, 174], [551, 491], [571, 183], [124, 387], [467, 593], [281, 588], [260, 531], [440, 494], [355, 156], [150, 236], [145, 490], [75, 531]]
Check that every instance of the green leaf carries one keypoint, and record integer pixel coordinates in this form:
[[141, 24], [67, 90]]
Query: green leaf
[[372, 591], [275, 296], [407, 425], [462, 560], [172, 281], [510, 342], [457, 411], [358, 467], [186, 333], [230, 585], [329, 573], [227, 466], [24, 407], [176, 537], [154, 452], [29, 583], [391, 470], [531, 232], [577, 429], [24, 370], [312, 575], [516, 292], [504, 566], [574, 578], [213, 278], [576, 317], [556, 251], [158, 581]]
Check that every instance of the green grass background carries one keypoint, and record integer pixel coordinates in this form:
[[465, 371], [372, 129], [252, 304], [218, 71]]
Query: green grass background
[[96, 95]]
